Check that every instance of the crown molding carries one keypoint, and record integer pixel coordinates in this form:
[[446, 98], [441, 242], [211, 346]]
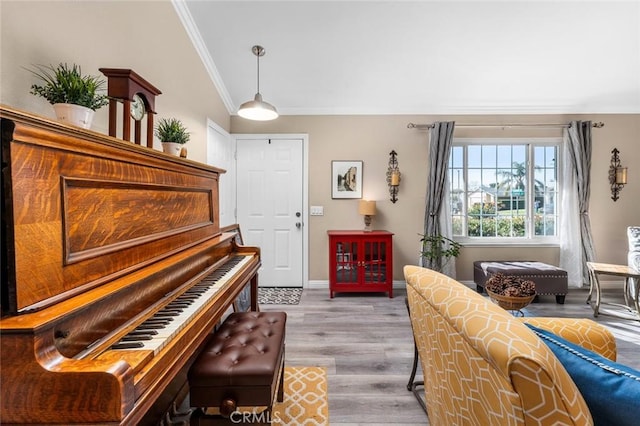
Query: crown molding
[[465, 110], [198, 43]]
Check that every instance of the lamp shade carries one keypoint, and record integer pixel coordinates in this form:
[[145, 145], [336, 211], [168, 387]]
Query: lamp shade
[[367, 208], [257, 109]]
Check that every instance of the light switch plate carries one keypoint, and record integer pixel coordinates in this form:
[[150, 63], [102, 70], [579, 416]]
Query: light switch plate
[[317, 211]]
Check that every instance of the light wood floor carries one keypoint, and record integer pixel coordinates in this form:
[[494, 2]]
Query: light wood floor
[[365, 342]]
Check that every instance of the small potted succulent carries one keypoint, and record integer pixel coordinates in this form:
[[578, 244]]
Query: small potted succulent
[[75, 97], [509, 291], [173, 134]]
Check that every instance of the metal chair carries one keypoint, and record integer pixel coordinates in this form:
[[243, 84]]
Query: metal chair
[[413, 384]]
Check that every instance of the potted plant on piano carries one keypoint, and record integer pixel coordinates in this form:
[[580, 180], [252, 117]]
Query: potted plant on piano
[[75, 97], [173, 134]]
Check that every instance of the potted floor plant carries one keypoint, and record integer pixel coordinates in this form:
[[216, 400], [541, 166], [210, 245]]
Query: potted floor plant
[[172, 134], [437, 251], [75, 97]]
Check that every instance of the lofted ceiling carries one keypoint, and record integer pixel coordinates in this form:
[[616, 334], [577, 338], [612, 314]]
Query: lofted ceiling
[[422, 57]]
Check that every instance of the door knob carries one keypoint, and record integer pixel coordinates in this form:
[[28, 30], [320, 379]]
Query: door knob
[[298, 225]]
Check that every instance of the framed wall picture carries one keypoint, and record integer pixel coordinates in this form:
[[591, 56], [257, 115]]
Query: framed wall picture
[[346, 179]]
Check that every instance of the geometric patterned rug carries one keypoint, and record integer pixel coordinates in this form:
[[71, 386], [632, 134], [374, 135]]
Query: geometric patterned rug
[[305, 398], [305, 402], [279, 295]]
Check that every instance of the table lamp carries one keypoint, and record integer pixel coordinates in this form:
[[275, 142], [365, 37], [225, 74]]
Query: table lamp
[[367, 209]]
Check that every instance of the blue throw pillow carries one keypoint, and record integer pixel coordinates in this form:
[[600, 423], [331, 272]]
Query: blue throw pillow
[[611, 390]]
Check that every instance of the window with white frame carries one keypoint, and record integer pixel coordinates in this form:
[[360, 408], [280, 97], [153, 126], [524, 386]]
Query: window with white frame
[[505, 189]]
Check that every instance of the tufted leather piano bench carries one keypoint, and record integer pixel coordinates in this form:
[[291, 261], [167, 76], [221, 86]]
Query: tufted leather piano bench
[[240, 368], [549, 279]]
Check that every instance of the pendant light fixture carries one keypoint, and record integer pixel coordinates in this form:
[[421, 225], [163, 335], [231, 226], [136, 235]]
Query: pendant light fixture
[[257, 109]]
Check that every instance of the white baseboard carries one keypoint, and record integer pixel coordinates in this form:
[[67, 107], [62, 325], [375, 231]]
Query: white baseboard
[[325, 284], [318, 284]]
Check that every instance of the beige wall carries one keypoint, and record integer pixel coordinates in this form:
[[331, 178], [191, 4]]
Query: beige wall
[[147, 37], [140, 35], [371, 138]]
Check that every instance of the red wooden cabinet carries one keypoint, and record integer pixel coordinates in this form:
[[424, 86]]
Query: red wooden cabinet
[[360, 261]]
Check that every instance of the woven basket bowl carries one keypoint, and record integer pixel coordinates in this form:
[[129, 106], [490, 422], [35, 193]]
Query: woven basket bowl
[[510, 303]]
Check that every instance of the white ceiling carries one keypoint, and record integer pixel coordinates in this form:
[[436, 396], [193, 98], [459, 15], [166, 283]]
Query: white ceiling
[[422, 57]]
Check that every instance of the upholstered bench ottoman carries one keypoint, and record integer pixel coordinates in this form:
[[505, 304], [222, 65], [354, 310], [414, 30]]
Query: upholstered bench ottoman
[[549, 279], [240, 369]]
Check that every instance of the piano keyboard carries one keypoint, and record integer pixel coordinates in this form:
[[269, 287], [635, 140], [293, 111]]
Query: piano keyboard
[[156, 332]]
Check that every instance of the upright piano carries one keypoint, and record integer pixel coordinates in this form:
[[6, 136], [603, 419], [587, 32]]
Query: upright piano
[[114, 272]]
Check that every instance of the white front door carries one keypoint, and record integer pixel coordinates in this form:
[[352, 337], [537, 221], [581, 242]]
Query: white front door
[[270, 206]]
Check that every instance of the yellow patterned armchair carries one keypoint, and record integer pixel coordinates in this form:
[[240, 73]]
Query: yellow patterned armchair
[[483, 366]]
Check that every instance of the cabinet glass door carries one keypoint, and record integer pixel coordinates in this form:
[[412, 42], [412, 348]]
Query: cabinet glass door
[[346, 262], [375, 262]]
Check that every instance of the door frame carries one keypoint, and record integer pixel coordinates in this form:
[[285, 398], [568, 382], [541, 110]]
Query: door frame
[[229, 177], [305, 187]]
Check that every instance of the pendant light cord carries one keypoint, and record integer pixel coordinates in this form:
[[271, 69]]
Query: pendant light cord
[[258, 76]]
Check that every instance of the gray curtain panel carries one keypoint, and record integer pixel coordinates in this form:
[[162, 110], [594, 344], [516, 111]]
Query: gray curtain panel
[[580, 146], [440, 137]]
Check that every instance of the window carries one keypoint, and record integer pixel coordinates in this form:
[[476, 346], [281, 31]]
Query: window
[[505, 189]]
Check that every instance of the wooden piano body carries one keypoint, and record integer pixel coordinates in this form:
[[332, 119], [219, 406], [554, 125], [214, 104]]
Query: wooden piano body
[[100, 235]]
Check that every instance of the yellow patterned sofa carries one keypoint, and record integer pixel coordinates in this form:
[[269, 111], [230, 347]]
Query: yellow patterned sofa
[[483, 366]]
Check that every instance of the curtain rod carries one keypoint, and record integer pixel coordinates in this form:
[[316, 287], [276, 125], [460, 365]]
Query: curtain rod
[[539, 125]]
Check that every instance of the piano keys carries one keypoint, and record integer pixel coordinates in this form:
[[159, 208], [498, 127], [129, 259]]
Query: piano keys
[[117, 271], [154, 333]]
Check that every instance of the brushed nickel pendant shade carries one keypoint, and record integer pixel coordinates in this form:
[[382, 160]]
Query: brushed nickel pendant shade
[[257, 109]]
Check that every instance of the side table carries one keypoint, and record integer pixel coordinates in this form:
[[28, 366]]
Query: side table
[[631, 288]]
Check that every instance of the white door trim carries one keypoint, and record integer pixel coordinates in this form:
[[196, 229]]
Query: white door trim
[[305, 189], [228, 179]]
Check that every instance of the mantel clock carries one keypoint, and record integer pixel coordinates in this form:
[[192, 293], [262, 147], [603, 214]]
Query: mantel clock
[[138, 98]]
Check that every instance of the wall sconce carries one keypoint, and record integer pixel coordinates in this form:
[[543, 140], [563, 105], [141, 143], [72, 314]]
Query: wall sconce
[[367, 209], [393, 176], [617, 175]]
